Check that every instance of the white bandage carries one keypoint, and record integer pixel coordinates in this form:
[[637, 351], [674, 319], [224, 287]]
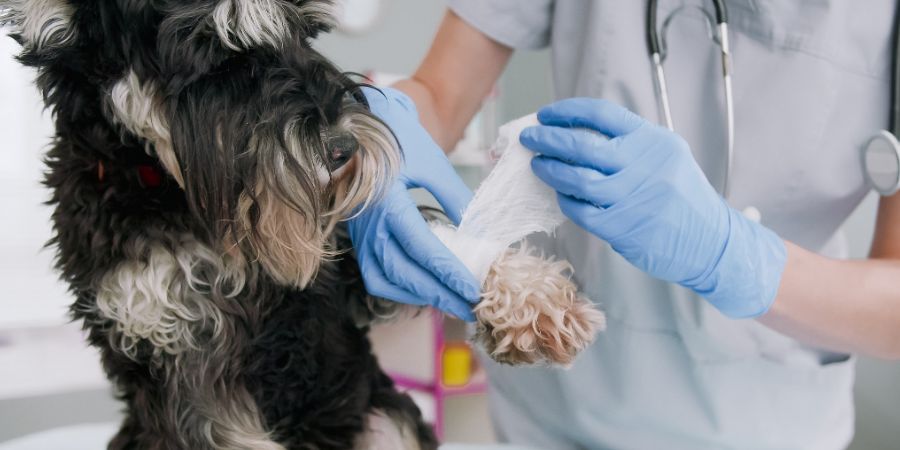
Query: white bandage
[[510, 204]]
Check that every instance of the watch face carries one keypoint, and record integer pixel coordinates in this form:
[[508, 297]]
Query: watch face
[[357, 16]]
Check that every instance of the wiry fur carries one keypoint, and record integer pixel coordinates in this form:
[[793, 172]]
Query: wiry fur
[[204, 157], [138, 107], [243, 24], [531, 312], [43, 24]]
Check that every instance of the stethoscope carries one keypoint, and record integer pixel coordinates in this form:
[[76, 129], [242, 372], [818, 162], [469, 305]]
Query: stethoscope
[[880, 156]]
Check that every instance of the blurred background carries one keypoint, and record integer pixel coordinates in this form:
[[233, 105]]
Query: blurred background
[[49, 379]]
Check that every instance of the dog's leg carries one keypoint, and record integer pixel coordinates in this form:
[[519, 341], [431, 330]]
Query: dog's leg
[[395, 421], [173, 308], [220, 413], [384, 432]]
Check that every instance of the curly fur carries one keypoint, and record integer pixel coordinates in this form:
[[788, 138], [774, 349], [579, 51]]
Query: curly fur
[[203, 158], [531, 312], [160, 296]]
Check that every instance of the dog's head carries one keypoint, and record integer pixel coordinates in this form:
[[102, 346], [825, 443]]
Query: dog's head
[[271, 143]]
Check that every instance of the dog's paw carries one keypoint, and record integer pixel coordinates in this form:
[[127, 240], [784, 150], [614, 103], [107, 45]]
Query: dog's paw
[[531, 311]]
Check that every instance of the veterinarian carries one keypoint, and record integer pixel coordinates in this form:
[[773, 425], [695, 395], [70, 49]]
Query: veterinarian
[[723, 332]]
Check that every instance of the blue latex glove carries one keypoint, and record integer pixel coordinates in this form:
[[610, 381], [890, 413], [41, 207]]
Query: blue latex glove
[[400, 258], [642, 192]]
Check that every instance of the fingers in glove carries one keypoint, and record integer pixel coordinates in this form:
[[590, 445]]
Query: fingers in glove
[[416, 239], [580, 147], [599, 115], [402, 271], [451, 192], [378, 285], [587, 185], [582, 213]]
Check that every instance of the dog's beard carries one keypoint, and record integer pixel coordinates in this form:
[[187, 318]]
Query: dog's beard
[[285, 221]]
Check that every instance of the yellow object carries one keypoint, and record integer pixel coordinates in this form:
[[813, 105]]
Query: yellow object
[[457, 364]]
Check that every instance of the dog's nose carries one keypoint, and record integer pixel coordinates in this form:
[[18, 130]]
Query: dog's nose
[[341, 148]]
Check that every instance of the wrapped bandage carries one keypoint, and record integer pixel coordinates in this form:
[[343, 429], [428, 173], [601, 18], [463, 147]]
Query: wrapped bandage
[[530, 310]]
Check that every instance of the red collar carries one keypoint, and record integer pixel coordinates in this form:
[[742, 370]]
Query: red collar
[[150, 175]]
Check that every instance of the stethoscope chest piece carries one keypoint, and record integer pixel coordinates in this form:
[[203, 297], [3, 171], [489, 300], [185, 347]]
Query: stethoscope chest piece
[[881, 163]]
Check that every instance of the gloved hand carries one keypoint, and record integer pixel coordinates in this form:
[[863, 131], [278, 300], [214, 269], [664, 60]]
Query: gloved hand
[[642, 192], [400, 258]]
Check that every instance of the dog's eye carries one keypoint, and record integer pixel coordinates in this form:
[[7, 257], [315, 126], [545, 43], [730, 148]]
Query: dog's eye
[[340, 147]]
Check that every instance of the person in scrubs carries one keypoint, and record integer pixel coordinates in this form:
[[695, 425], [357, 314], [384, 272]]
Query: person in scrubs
[[723, 332]]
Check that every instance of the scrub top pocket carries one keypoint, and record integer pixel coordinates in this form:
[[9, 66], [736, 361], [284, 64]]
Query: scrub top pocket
[[845, 33]]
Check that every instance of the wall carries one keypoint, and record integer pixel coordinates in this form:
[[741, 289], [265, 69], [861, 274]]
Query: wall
[[31, 292], [397, 44]]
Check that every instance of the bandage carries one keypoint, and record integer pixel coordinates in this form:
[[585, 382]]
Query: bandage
[[509, 205], [530, 311]]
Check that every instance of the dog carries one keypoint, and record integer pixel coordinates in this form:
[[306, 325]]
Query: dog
[[204, 157]]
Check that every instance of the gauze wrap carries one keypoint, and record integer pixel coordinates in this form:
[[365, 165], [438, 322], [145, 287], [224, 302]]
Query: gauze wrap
[[530, 309], [510, 204]]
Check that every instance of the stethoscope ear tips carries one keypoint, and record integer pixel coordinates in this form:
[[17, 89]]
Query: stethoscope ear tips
[[881, 163]]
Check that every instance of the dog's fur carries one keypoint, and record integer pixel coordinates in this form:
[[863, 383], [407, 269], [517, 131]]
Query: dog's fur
[[532, 313], [203, 159]]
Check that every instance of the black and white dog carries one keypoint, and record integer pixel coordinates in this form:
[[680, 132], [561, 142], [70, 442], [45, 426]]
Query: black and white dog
[[204, 157]]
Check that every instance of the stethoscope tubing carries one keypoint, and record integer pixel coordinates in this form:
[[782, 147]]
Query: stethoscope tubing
[[895, 76], [655, 48]]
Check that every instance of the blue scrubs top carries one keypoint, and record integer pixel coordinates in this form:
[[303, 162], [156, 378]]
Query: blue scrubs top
[[811, 82]]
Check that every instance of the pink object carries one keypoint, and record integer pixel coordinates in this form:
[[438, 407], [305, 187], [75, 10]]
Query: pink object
[[435, 387]]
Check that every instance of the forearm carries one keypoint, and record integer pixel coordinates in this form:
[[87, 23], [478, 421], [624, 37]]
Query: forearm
[[438, 119], [851, 306], [456, 75]]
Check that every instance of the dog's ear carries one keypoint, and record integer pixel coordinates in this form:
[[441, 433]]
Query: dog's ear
[[316, 16], [196, 37], [243, 24], [42, 27], [246, 24]]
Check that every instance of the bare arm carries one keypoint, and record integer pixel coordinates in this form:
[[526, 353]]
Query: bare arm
[[845, 305], [458, 72]]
